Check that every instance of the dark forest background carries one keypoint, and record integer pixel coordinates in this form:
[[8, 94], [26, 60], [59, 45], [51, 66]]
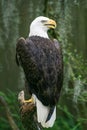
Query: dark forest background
[[71, 31]]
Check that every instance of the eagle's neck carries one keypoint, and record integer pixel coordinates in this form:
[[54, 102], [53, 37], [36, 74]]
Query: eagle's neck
[[38, 32]]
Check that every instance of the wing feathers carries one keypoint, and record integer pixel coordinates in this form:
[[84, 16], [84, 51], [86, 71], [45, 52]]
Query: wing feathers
[[20, 43]]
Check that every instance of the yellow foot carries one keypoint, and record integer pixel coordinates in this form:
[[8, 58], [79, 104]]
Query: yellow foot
[[31, 100]]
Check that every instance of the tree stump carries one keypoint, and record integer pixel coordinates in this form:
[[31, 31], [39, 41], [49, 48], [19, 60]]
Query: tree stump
[[28, 114]]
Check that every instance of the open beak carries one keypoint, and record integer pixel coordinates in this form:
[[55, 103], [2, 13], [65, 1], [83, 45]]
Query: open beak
[[50, 24]]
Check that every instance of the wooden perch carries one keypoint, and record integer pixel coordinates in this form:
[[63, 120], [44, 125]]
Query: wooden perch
[[28, 114], [8, 114]]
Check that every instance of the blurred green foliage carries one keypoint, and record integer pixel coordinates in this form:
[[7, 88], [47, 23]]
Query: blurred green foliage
[[11, 99], [72, 107]]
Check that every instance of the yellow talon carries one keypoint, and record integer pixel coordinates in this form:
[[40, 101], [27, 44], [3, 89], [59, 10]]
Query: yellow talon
[[31, 100]]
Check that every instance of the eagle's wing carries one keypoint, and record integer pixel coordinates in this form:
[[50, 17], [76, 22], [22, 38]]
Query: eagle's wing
[[25, 58], [20, 43], [43, 67], [20, 54]]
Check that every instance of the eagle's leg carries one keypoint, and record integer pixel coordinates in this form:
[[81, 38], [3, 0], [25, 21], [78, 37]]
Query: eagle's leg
[[31, 100], [23, 100]]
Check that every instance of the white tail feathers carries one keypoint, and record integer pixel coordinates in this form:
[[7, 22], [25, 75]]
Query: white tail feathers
[[42, 113]]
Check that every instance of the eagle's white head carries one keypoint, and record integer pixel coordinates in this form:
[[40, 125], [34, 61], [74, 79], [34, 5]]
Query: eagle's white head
[[40, 26]]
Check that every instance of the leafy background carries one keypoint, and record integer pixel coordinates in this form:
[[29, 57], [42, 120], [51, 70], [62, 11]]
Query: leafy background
[[71, 17]]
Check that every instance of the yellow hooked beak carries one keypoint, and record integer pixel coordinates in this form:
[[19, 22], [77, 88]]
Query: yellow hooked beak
[[50, 23]]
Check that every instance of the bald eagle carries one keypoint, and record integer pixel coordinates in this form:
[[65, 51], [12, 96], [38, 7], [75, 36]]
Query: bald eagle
[[41, 60]]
